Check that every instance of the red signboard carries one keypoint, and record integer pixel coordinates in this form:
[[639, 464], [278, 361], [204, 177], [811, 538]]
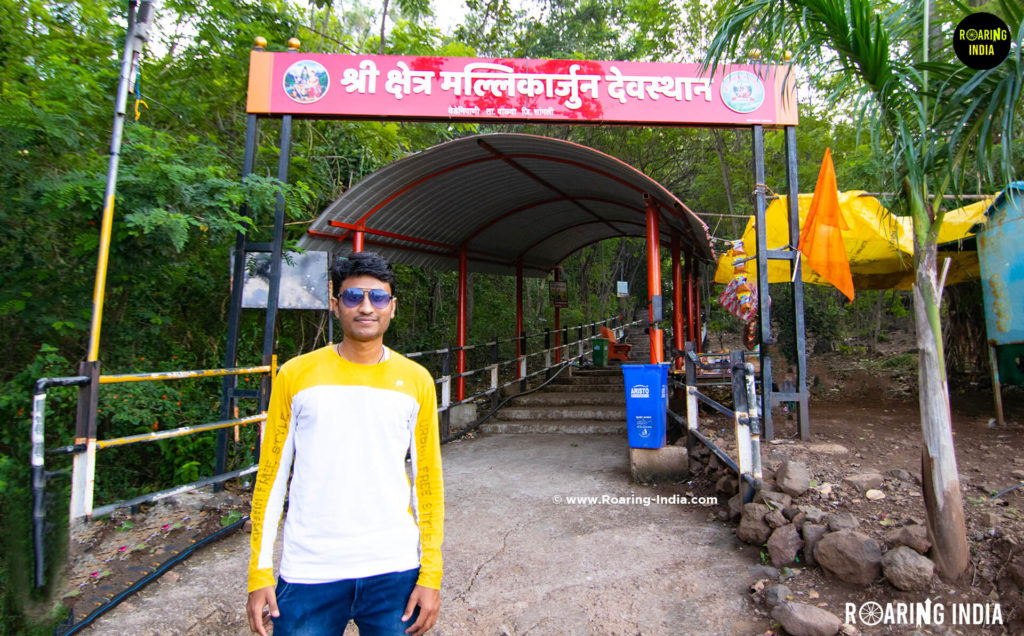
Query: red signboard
[[451, 88]]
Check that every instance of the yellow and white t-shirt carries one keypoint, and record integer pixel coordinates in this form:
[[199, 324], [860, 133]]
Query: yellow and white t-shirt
[[343, 430]]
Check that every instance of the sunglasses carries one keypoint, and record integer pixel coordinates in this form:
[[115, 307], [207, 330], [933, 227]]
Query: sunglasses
[[353, 297]]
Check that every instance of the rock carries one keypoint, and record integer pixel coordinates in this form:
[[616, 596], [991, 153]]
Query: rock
[[850, 556], [777, 500], [776, 595], [907, 570], [862, 482], [757, 572], [752, 528], [798, 520], [783, 545], [775, 519], [1006, 548], [812, 534], [790, 512], [902, 475], [735, 506], [825, 491], [800, 619], [793, 478], [874, 495], [1016, 571], [913, 536], [991, 519], [849, 629], [842, 521], [726, 487], [714, 463], [814, 515]]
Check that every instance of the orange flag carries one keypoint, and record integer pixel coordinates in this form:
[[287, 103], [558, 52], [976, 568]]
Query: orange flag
[[821, 237]]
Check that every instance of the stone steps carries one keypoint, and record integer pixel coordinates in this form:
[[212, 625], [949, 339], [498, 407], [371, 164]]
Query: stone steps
[[572, 427], [575, 412], [561, 398]]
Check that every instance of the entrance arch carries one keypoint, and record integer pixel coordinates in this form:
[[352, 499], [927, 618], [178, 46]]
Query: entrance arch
[[506, 203]]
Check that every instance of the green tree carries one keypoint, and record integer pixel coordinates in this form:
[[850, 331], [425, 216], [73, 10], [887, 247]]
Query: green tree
[[939, 121]]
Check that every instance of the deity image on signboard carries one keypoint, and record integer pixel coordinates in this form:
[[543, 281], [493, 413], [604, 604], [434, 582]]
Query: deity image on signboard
[[742, 91], [306, 81]]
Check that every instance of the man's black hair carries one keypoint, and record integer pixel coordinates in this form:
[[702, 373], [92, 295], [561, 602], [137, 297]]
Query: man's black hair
[[361, 264]]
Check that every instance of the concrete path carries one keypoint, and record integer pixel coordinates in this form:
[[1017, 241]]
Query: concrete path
[[519, 558]]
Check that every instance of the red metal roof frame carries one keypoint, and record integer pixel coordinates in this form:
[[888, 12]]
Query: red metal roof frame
[[505, 198]]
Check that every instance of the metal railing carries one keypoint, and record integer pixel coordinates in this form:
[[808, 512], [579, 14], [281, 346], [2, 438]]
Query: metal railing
[[745, 412], [498, 374], [83, 472], [489, 378]]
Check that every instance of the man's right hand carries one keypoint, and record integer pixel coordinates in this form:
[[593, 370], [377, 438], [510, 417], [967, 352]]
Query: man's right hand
[[257, 609]]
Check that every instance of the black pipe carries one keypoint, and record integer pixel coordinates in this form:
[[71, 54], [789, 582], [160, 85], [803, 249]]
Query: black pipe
[[149, 578]]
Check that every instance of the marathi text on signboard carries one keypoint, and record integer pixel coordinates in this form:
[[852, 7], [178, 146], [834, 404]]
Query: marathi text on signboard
[[398, 87]]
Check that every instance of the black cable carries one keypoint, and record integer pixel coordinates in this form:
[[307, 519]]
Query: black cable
[[62, 630]]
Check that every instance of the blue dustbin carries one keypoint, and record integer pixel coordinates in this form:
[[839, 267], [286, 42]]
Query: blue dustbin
[[646, 403]]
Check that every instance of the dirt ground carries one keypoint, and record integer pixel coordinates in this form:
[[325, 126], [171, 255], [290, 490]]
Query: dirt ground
[[863, 417]]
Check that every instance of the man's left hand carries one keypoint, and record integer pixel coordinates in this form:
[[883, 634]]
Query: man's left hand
[[429, 601]]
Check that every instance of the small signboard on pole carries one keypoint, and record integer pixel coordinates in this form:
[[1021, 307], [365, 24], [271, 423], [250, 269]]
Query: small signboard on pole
[[622, 289], [304, 281], [559, 291]]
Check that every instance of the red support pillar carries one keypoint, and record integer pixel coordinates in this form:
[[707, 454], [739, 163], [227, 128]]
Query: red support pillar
[[696, 314], [678, 336], [653, 277], [519, 314], [357, 242], [460, 328], [691, 319], [558, 323]]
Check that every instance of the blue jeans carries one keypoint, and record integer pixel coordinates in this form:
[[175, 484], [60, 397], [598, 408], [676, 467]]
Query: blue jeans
[[375, 603]]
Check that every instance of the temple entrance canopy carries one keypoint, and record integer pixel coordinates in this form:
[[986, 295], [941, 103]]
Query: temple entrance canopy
[[506, 199], [513, 203]]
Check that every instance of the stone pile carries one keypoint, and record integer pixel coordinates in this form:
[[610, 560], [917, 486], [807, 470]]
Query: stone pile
[[793, 531]]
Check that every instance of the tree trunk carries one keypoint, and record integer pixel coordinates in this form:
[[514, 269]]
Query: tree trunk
[[939, 478], [716, 135], [383, 21]]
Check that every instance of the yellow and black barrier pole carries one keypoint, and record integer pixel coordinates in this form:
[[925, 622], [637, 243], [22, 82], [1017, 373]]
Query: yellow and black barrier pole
[[140, 16]]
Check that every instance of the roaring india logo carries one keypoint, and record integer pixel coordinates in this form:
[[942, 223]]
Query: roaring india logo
[[981, 41]]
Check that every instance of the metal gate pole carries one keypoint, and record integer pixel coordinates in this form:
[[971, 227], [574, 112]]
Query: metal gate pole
[[796, 275], [230, 383], [763, 295]]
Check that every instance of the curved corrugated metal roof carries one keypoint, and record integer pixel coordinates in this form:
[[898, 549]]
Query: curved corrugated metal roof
[[505, 197]]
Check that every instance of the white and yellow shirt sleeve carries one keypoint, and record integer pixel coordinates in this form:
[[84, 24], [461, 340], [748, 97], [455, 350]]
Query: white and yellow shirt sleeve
[[343, 430]]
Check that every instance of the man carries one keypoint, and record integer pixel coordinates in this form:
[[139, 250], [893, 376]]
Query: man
[[360, 541]]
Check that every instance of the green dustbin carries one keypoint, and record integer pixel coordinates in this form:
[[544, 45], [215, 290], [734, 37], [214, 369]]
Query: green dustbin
[[600, 352]]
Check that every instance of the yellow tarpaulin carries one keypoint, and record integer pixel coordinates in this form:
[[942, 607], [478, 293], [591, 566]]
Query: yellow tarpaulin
[[880, 246]]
